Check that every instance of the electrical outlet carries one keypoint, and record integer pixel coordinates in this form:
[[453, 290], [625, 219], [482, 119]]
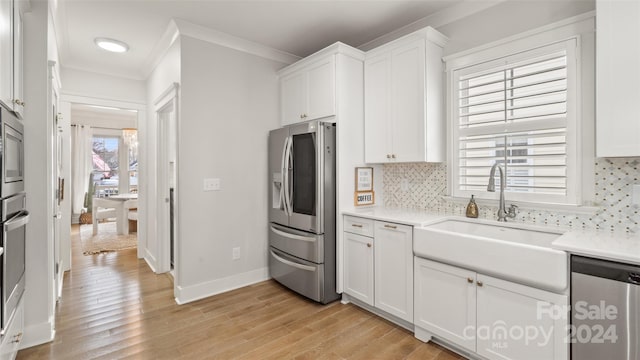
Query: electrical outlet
[[236, 253], [211, 184]]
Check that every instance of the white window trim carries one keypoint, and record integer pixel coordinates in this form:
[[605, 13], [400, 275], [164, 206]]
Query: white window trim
[[582, 169]]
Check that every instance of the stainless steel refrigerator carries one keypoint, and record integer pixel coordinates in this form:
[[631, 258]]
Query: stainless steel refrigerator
[[302, 209]]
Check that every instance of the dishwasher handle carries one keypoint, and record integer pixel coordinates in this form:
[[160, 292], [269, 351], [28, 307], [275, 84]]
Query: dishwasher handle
[[611, 270]]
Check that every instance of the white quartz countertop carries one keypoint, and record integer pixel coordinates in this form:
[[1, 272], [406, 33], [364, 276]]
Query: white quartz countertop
[[621, 247], [407, 217]]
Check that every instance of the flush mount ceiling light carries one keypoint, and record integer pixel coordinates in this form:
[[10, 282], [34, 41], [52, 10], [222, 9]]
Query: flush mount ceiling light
[[111, 45]]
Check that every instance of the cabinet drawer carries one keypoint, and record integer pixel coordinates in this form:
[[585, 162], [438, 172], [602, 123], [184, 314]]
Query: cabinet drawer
[[358, 225], [11, 341]]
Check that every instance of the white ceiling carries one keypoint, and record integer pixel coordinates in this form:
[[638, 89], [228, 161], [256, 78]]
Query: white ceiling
[[298, 27]]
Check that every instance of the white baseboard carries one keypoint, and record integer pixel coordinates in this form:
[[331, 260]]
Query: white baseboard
[[37, 334], [191, 293], [151, 260]]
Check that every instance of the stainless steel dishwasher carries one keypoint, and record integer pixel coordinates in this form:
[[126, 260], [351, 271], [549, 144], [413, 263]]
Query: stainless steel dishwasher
[[605, 310]]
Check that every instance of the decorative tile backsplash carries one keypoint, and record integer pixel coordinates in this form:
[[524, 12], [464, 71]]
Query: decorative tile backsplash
[[421, 186]]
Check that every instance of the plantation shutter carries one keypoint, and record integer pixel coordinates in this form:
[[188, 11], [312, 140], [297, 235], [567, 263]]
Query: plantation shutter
[[517, 112]]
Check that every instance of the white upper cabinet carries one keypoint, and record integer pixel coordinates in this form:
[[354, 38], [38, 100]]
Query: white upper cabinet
[[617, 78], [404, 100], [6, 53], [11, 45], [308, 92], [18, 45]]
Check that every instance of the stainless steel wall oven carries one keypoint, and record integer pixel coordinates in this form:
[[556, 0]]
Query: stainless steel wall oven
[[12, 154], [13, 216], [14, 223]]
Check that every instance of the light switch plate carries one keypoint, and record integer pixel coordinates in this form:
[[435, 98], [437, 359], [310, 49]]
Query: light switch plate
[[211, 184]]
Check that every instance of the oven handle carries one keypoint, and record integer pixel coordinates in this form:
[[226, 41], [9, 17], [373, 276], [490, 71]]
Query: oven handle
[[17, 221]]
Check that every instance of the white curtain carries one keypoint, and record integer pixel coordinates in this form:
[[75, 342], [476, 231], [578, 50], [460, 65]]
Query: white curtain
[[81, 165]]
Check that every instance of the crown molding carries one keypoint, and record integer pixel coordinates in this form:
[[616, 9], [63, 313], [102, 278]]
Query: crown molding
[[180, 27], [233, 42], [160, 49], [335, 48], [441, 18]]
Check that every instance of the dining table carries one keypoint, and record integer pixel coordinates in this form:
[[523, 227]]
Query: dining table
[[118, 202]]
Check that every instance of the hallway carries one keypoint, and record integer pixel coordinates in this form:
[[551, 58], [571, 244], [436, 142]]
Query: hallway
[[113, 306]]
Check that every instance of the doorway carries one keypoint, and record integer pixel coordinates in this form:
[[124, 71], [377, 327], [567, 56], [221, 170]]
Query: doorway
[[122, 176], [167, 151]]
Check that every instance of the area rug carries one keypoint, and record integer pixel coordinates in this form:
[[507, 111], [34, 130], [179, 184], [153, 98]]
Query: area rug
[[106, 240]]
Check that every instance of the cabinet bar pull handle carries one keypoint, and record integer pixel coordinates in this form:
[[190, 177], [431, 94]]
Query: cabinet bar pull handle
[[391, 226], [368, 244], [470, 280], [356, 225], [479, 283]]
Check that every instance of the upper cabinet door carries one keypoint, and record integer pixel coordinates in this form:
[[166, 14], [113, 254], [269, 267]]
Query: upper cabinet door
[[409, 102], [309, 92], [293, 98], [617, 78], [403, 100], [377, 83], [18, 89], [6, 53], [321, 92]]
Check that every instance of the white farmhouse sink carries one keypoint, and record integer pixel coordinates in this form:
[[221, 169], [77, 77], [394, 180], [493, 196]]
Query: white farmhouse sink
[[515, 252]]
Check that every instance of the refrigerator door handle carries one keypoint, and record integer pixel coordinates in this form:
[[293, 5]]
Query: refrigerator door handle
[[291, 263], [293, 236], [283, 176], [286, 175]]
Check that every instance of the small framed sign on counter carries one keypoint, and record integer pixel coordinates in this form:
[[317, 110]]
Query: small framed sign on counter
[[364, 198], [364, 186]]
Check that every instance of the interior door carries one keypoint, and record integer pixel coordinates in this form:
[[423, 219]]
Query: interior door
[[58, 194]]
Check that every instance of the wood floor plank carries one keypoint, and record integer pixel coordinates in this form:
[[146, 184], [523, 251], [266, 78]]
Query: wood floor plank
[[114, 307]]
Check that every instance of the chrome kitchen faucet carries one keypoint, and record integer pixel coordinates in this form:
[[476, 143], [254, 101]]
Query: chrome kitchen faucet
[[502, 214]]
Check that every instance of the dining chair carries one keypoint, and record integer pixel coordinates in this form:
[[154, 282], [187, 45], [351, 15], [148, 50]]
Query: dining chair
[[102, 208]]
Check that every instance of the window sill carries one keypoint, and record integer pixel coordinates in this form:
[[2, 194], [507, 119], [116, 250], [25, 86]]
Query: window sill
[[523, 205]]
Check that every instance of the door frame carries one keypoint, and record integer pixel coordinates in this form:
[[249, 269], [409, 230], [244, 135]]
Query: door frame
[[56, 174], [168, 99], [141, 108]]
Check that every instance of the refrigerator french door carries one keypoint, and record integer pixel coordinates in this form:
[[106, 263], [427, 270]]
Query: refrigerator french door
[[302, 209]]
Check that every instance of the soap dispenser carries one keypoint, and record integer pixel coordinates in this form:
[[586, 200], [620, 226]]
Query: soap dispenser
[[472, 208]]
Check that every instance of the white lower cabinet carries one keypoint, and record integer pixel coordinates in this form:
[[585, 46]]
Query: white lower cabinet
[[445, 301], [13, 336], [394, 269], [358, 267], [378, 265], [494, 318]]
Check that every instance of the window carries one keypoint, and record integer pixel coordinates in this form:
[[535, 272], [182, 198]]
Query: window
[[105, 165], [518, 111]]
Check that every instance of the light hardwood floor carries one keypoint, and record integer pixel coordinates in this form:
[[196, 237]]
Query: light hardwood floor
[[113, 306]]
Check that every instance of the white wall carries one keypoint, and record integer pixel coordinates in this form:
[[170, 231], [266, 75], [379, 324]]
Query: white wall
[[229, 102], [506, 19], [38, 295], [163, 76], [89, 84]]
